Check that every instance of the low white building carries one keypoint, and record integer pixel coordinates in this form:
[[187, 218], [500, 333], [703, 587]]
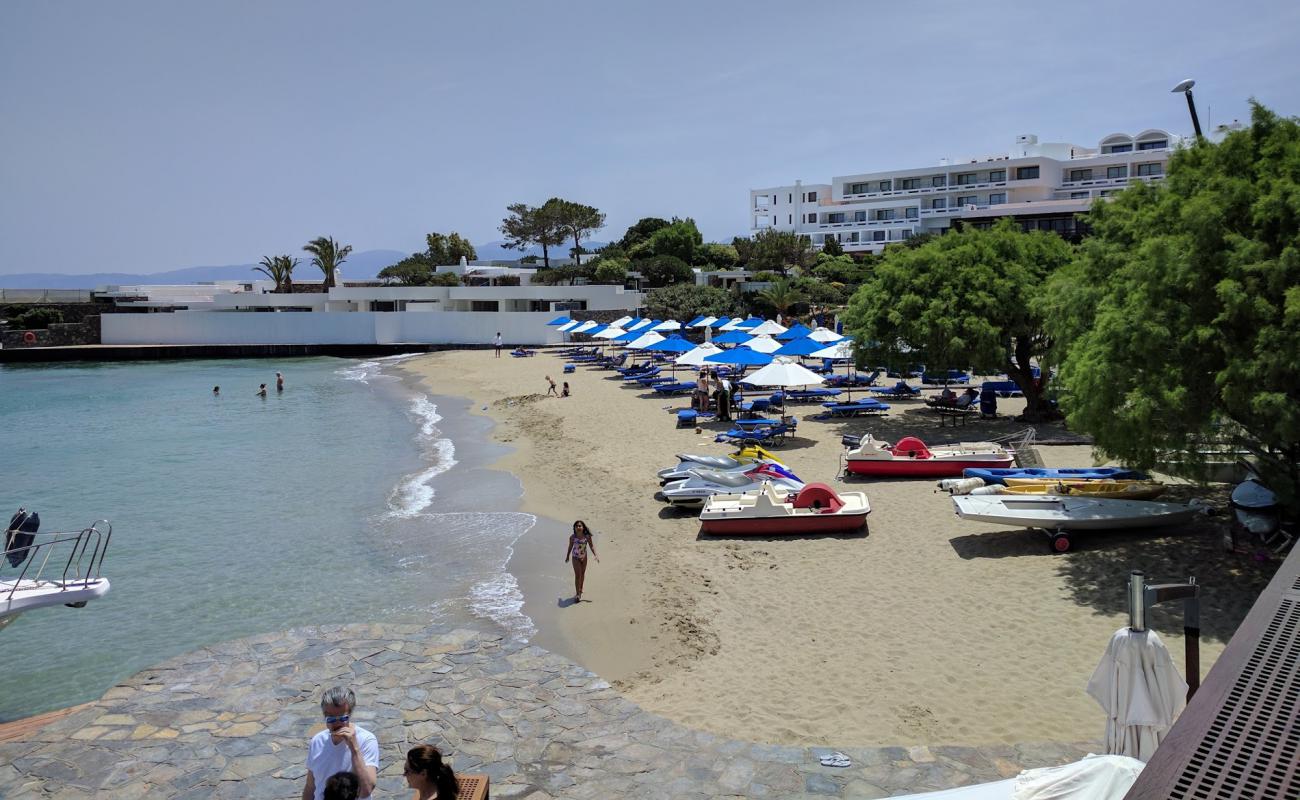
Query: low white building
[[1043, 185]]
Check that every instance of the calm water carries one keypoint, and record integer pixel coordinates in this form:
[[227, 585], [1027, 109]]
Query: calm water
[[347, 498]]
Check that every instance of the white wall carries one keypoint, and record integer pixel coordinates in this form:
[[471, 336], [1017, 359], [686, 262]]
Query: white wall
[[360, 327]]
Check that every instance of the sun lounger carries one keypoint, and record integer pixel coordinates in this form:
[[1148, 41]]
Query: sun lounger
[[899, 389], [855, 379], [689, 418], [940, 378], [1003, 388], [674, 387], [811, 395], [473, 787], [774, 433], [636, 376], [854, 408]]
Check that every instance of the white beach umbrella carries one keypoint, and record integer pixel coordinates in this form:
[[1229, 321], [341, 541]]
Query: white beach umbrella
[[569, 326], [840, 351], [768, 328], [668, 325], [609, 333], [620, 322], [639, 324], [645, 341], [784, 372], [824, 335], [1139, 687], [706, 322], [731, 326], [763, 344], [695, 358], [586, 326]]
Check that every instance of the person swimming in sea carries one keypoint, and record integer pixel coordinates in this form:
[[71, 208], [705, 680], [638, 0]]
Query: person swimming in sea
[[261, 391], [216, 390]]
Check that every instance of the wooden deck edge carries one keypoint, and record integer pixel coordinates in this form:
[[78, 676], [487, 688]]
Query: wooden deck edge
[[22, 728]]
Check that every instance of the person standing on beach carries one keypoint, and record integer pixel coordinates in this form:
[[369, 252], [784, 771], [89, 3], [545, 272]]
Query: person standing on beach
[[341, 747], [580, 541], [498, 344], [551, 390], [279, 382]]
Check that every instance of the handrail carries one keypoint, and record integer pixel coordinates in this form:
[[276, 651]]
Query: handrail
[[80, 553]]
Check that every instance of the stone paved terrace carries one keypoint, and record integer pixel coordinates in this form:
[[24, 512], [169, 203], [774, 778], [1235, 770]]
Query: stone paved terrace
[[232, 721]]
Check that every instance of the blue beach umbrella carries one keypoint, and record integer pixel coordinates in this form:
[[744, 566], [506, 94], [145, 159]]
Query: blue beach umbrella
[[741, 356], [630, 336], [673, 344], [560, 320], [719, 322], [732, 337], [799, 347], [752, 322], [695, 321], [797, 332], [595, 330]]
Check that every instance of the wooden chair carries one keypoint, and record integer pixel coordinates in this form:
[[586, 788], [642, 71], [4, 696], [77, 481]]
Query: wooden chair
[[473, 787]]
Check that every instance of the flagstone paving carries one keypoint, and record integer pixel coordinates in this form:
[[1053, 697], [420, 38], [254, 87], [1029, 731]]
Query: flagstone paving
[[232, 721]]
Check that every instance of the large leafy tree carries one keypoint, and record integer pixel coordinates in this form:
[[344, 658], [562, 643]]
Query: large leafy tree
[[577, 220], [526, 226], [778, 251], [678, 239], [444, 249], [641, 231], [781, 296], [664, 270], [612, 271], [279, 269], [686, 301], [327, 255], [964, 299], [1180, 319], [716, 256], [415, 270]]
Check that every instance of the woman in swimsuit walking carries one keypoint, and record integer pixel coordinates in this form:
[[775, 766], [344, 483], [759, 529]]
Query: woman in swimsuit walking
[[580, 541]]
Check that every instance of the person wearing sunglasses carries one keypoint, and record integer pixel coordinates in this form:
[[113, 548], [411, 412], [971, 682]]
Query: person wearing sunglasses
[[341, 747]]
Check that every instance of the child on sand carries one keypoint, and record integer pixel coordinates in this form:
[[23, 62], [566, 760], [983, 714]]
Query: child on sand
[[565, 391], [551, 390], [580, 541]]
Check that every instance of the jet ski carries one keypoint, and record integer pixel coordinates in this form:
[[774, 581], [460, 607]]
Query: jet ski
[[705, 483], [745, 458]]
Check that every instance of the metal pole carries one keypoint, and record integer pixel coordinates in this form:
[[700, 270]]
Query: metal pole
[[1136, 601], [1192, 637], [1196, 122]]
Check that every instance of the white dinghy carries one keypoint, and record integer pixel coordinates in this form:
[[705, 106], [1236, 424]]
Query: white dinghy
[[41, 570], [1059, 514]]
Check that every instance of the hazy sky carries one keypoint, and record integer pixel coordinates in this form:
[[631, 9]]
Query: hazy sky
[[143, 136]]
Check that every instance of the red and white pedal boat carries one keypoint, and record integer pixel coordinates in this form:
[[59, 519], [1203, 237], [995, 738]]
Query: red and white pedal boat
[[816, 508], [911, 458]]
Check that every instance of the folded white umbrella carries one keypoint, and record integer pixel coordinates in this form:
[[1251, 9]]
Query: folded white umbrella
[[645, 341], [668, 325], [763, 344], [1140, 689], [706, 322], [784, 372], [768, 328], [609, 333], [586, 326], [840, 351], [620, 322], [731, 326], [569, 326], [695, 358], [824, 335]]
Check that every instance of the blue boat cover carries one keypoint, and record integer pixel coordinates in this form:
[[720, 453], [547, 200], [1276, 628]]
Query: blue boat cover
[[1049, 474]]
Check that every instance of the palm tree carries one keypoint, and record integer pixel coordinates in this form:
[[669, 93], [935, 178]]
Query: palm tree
[[280, 270], [782, 296], [327, 254]]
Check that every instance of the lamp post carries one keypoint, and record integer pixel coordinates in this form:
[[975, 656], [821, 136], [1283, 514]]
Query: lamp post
[[1186, 88]]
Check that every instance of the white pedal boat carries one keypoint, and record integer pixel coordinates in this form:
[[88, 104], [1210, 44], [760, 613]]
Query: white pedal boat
[[1059, 514], [816, 508]]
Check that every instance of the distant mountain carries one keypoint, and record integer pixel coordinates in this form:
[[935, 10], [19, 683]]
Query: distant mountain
[[497, 251], [359, 266]]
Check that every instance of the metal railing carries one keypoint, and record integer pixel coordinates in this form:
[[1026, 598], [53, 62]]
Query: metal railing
[[86, 551], [46, 296]]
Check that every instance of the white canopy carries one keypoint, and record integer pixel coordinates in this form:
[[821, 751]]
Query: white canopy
[[645, 341], [668, 325], [609, 333], [620, 322], [569, 326], [824, 335], [1140, 689], [731, 326], [706, 322], [763, 344], [783, 372], [641, 323], [768, 328], [840, 351], [1093, 778], [695, 358], [586, 326]]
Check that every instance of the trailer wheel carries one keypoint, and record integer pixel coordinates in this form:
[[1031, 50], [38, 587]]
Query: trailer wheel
[[1060, 542]]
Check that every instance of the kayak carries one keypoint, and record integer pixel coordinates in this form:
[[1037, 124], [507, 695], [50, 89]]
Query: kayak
[[1114, 490], [994, 475]]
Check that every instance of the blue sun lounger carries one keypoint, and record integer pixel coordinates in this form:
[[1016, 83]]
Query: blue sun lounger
[[854, 408], [643, 374], [811, 395], [899, 389], [674, 387], [775, 432]]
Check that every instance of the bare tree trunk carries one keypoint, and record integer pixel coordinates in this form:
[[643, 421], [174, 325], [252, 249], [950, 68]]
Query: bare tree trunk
[[546, 256], [1020, 370]]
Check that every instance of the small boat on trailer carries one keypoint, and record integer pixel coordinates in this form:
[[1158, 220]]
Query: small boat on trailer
[[912, 458], [42, 570], [816, 508], [1059, 515]]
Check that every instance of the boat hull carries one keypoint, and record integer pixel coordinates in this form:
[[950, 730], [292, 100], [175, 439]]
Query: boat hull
[[31, 595], [919, 467], [788, 526], [1068, 513]]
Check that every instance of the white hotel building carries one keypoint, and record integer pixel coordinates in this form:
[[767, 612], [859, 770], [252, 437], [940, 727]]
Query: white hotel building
[[1043, 185]]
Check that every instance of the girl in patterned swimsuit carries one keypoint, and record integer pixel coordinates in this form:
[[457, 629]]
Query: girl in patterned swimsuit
[[580, 541]]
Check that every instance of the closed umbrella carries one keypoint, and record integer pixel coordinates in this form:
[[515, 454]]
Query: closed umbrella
[[770, 328], [1138, 686]]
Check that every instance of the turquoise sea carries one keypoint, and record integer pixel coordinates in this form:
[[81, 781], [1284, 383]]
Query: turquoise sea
[[346, 498]]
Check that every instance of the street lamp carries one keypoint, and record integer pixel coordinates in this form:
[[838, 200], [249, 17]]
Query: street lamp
[[1186, 88]]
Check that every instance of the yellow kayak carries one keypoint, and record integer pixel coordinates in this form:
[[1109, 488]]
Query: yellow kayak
[[1108, 490]]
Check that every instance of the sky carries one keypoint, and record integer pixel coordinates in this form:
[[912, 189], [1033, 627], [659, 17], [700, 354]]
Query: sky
[[146, 136]]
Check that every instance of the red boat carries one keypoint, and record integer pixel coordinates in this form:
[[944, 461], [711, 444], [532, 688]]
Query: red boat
[[815, 509], [911, 458]]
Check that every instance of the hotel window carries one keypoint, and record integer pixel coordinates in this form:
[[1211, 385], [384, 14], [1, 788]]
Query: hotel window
[[905, 234], [966, 178], [1159, 144], [997, 198], [812, 217], [885, 213], [909, 183], [886, 186], [939, 202], [853, 237], [967, 200], [1026, 173], [762, 200], [791, 198], [1116, 172], [997, 176], [877, 236], [938, 181], [1121, 148], [812, 197], [1080, 174], [789, 219], [1078, 195], [1150, 169], [912, 213], [835, 218], [858, 188], [859, 216]]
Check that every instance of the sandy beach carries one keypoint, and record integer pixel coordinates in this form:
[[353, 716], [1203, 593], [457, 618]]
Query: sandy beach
[[926, 630]]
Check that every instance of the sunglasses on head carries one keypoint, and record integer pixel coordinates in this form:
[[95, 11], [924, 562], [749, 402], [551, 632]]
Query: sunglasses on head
[[330, 720]]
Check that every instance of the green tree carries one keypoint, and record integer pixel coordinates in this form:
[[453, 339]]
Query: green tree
[[612, 271], [414, 270], [1180, 319], [641, 232], [780, 251], [279, 269], [781, 296], [716, 256], [577, 220], [664, 270], [679, 239], [831, 246], [327, 255], [966, 298], [526, 226], [444, 250], [444, 279], [839, 269], [744, 250], [685, 301]]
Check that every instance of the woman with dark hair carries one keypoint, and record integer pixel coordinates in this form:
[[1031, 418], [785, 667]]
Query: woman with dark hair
[[580, 541], [429, 775]]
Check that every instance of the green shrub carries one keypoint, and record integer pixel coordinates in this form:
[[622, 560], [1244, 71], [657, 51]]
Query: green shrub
[[36, 318]]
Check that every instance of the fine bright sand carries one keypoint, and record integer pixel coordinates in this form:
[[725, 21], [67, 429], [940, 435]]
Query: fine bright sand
[[927, 630]]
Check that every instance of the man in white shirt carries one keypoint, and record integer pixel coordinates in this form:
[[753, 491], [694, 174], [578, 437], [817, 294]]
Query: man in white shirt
[[341, 747], [498, 344]]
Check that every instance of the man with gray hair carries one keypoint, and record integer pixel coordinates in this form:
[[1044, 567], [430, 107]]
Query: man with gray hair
[[341, 747]]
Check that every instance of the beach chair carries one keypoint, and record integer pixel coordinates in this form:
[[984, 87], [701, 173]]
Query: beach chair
[[689, 418], [772, 434], [811, 395], [940, 378], [473, 787], [674, 387], [640, 375], [898, 390], [520, 352], [854, 408]]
